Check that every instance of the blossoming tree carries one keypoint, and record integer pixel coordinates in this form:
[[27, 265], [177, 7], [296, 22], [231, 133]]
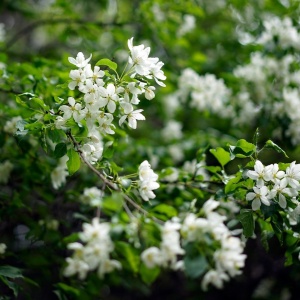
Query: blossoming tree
[[141, 141]]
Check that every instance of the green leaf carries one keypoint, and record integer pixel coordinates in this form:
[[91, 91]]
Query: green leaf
[[200, 155], [265, 237], [21, 102], [107, 62], [10, 272], [247, 221], [54, 135], [38, 103], [113, 203], [221, 155], [232, 183], [149, 275], [130, 254], [60, 150], [242, 149], [12, 285], [272, 145], [73, 163], [68, 289], [164, 212], [213, 169], [196, 266], [74, 237]]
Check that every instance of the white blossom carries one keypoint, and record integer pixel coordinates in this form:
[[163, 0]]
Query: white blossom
[[139, 58], [188, 24], [108, 96], [59, 174], [78, 77], [80, 60], [259, 195], [2, 248], [94, 254], [74, 110], [215, 277], [11, 125], [151, 257], [132, 116], [92, 151], [75, 266], [92, 196]]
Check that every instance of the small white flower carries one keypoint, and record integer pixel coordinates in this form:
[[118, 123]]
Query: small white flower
[[156, 72], [193, 227], [259, 174], [92, 151], [109, 97], [76, 266], [139, 58], [11, 125], [78, 77], [215, 277], [75, 110], [149, 92], [80, 60], [132, 118], [293, 175], [151, 257], [2, 248], [135, 91], [59, 174], [92, 196], [60, 122], [145, 189], [146, 173], [108, 266], [259, 195], [105, 123]]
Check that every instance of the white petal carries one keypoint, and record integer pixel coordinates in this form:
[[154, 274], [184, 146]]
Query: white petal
[[256, 204], [111, 106]]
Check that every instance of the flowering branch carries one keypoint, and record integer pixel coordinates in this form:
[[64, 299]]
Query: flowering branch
[[107, 182]]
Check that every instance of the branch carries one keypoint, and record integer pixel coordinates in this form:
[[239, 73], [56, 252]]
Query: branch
[[12, 91], [27, 29], [109, 183]]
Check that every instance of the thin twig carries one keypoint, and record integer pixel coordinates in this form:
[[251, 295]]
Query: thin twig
[[129, 213]]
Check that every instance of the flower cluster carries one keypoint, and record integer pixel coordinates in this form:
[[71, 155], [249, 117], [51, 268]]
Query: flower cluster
[[280, 32], [105, 96], [143, 65], [11, 125], [207, 92], [167, 254], [258, 93], [147, 181], [95, 254], [92, 196], [273, 185], [228, 257]]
